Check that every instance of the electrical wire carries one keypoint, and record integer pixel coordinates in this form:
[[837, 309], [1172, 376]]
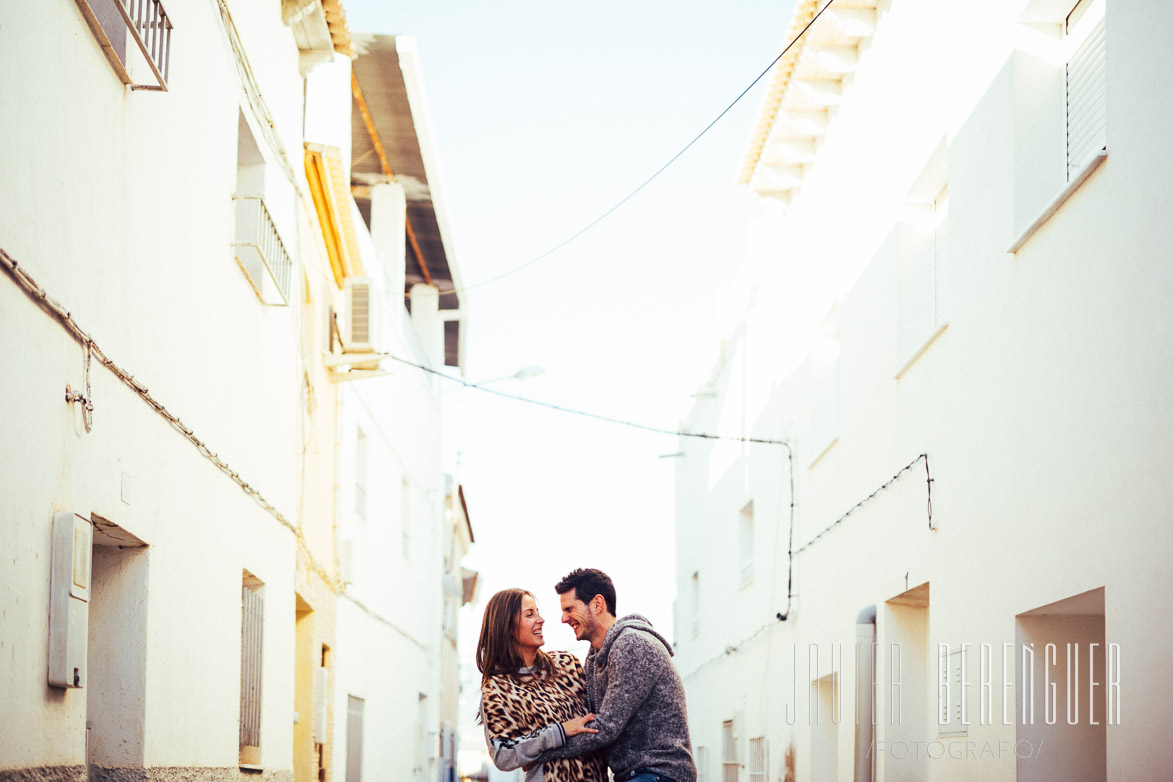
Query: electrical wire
[[617, 205], [583, 413], [782, 616], [38, 294], [928, 481], [728, 650]]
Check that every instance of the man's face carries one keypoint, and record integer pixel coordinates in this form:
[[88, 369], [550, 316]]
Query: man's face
[[578, 615]]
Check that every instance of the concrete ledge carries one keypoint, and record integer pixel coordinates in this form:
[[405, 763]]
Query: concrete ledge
[[44, 774], [1059, 200]]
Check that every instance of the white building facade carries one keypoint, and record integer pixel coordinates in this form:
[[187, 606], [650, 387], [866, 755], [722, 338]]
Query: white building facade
[[230, 527], [396, 551], [953, 337]]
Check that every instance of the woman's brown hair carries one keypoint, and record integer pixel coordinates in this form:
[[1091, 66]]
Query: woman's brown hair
[[497, 651]]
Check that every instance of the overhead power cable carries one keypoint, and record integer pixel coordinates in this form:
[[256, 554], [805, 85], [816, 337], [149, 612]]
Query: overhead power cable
[[618, 204], [91, 351], [583, 413]]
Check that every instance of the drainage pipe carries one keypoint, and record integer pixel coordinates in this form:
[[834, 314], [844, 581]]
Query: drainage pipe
[[865, 679]]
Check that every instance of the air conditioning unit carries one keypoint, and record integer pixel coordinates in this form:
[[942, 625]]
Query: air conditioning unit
[[361, 333]]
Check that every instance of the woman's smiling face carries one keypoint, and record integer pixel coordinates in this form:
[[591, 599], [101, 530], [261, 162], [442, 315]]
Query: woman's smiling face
[[529, 626]]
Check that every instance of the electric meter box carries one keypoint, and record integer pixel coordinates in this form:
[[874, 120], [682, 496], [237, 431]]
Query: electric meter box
[[69, 598]]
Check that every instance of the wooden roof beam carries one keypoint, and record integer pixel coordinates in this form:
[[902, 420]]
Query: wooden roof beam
[[385, 164]]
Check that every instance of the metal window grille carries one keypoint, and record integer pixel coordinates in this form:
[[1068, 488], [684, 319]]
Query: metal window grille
[[260, 251], [757, 759], [729, 753], [251, 658], [148, 26], [702, 764], [1086, 87]]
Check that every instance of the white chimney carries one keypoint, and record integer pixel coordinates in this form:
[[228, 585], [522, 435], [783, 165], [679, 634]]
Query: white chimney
[[425, 316], [388, 228]]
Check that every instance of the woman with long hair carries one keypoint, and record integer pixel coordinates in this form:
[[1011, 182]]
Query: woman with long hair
[[531, 700]]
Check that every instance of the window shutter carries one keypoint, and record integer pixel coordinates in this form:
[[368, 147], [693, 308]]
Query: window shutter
[[252, 623], [1086, 99]]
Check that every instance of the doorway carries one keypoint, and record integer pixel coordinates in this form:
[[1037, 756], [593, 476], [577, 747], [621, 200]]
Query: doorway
[[116, 655]]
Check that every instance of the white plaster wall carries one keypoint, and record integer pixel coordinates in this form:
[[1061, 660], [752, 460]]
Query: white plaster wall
[[389, 670], [119, 204], [391, 663], [328, 94], [1041, 405]]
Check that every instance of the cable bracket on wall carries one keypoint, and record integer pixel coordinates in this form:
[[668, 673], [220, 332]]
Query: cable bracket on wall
[[85, 400]]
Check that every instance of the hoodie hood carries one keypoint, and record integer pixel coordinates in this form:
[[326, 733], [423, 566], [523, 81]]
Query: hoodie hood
[[627, 624]]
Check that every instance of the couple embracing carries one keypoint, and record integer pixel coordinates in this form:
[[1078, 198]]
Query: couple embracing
[[544, 713]]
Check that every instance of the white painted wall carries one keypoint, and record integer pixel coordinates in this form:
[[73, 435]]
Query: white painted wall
[[390, 655], [1041, 405], [119, 203], [390, 633]]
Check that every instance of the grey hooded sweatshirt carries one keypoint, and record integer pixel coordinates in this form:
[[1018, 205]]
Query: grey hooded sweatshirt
[[638, 699]]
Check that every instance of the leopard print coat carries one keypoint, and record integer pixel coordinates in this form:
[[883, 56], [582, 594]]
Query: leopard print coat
[[519, 710]]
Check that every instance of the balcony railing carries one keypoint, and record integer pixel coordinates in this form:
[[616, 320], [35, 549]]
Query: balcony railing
[[146, 23], [260, 252]]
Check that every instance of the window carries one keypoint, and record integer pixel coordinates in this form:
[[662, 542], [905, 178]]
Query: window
[[921, 250], [695, 605], [1060, 103], [252, 626], [136, 39], [728, 753], [746, 538], [354, 731], [257, 245], [757, 759], [1083, 37], [424, 759], [702, 764]]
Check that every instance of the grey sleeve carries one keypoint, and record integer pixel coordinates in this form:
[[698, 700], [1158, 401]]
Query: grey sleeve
[[512, 753], [633, 674]]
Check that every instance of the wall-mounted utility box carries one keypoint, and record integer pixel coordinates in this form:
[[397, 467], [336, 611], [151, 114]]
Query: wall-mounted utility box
[[69, 598]]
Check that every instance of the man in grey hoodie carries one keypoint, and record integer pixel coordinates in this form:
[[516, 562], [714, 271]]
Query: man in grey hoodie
[[632, 687]]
